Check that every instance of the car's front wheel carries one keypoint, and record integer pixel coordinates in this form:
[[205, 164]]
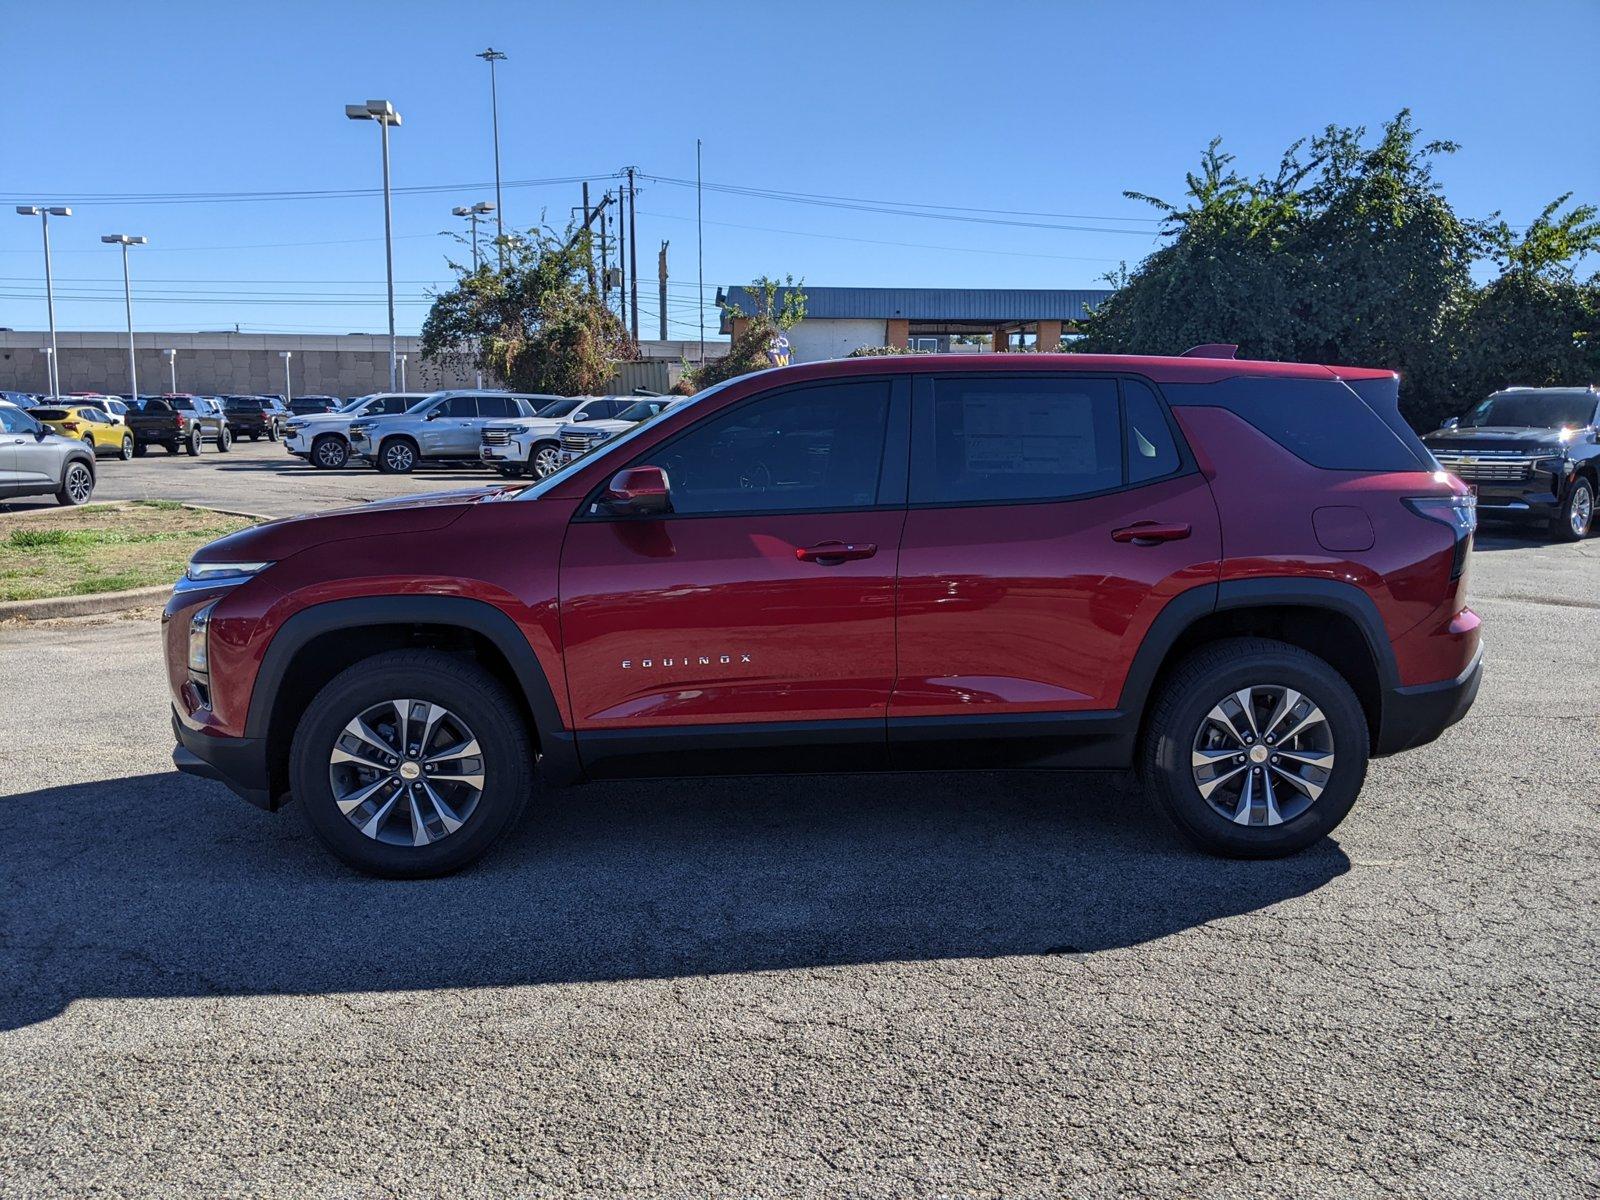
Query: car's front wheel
[[546, 459], [1255, 748], [411, 763], [329, 452], [1576, 518], [397, 456]]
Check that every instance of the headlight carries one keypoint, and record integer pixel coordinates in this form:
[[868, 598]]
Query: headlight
[[219, 572], [520, 428], [200, 639], [295, 423], [1554, 466]]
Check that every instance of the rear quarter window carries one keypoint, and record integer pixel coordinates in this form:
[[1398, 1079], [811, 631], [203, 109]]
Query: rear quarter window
[[1322, 422]]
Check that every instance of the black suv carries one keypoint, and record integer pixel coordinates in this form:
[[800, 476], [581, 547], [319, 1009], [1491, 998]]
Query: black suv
[[255, 417], [1529, 452]]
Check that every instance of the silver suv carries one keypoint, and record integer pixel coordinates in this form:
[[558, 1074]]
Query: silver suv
[[444, 426], [36, 462], [323, 439]]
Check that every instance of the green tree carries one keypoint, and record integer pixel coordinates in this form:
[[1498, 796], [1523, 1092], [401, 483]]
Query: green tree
[[1535, 323], [534, 324], [776, 307]]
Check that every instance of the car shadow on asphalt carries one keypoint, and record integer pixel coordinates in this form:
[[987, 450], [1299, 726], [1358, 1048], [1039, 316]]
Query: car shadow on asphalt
[[286, 467], [167, 886]]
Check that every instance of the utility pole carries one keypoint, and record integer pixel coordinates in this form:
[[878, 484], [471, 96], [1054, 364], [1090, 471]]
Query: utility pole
[[700, 245], [492, 56], [605, 259], [589, 254], [633, 250], [622, 253], [661, 268]]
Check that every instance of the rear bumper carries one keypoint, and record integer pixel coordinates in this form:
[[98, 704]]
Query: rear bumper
[[1415, 716], [241, 763]]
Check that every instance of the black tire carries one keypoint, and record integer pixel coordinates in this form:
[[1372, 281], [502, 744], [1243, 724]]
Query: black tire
[[127, 447], [272, 432], [255, 437], [139, 449], [77, 483], [225, 440], [1576, 518], [397, 456], [192, 447], [88, 444], [461, 686], [509, 472], [171, 447], [1179, 716], [329, 452]]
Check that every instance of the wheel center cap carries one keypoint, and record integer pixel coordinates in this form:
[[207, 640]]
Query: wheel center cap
[[1258, 754], [410, 771]]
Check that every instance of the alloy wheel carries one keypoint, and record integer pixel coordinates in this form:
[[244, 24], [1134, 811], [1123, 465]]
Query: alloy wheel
[[1581, 510], [406, 772], [1263, 755], [546, 461], [331, 453], [399, 457], [80, 483]]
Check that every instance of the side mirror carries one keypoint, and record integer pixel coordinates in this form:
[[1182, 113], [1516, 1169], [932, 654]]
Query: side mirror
[[433, 414], [41, 432], [580, 416], [638, 492], [1451, 422]]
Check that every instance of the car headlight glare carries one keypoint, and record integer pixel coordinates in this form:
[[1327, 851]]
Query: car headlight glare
[[216, 572]]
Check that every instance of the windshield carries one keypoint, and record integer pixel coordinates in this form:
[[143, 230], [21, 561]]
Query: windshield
[[354, 405], [642, 411], [1529, 410], [559, 409]]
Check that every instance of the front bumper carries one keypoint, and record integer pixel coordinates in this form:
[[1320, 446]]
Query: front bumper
[[241, 763], [1415, 716]]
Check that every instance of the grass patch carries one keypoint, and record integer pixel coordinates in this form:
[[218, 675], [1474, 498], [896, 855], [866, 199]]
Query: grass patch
[[81, 552]]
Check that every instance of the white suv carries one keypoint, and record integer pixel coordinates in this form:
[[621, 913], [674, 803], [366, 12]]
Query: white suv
[[578, 440], [323, 439], [532, 445]]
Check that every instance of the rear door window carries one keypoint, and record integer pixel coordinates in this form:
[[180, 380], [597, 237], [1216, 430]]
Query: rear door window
[[1152, 452], [996, 438]]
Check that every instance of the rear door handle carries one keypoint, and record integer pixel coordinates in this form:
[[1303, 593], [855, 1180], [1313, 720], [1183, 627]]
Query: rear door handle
[[831, 554], [1150, 533]]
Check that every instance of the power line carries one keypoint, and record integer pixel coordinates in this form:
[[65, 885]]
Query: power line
[[86, 199]]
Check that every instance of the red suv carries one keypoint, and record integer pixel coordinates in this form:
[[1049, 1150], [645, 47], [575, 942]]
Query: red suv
[[1244, 578]]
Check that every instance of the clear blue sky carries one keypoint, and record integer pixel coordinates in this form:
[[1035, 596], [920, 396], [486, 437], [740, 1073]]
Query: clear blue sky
[[993, 107]]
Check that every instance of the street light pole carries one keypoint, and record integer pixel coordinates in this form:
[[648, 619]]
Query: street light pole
[[385, 115], [492, 56], [44, 214], [402, 372], [124, 240], [472, 214], [288, 384]]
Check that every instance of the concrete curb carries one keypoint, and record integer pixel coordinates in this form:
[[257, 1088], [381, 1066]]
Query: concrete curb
[[81, 606]]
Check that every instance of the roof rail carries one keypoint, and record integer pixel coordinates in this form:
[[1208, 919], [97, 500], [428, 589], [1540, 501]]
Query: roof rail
[[1212, 350]]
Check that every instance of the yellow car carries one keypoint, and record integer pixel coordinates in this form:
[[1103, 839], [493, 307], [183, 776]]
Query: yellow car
[[102, 432]]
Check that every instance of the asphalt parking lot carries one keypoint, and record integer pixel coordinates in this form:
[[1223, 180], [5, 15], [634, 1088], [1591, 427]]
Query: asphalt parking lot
[[983, 984], [259, 478]]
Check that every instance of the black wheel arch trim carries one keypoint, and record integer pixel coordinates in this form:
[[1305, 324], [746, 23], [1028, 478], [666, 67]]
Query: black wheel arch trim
[[1184, 609], [558, 758]]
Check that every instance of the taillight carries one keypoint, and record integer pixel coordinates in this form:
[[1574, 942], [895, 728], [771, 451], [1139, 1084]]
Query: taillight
[[265, 415], [70, 426], [1460, 513], [180, 423]]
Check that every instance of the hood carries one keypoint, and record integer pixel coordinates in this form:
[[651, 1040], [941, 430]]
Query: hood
[[277, 540], [608, 425], [1499, 437]]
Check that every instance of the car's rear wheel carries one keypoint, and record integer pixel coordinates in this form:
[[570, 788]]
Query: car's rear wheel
[[1255, 748], [139, 449], [1576, 517], [193, 445], [329, 452], [127, 447], [77, 484], [88, 441], [225, 440], [397, 456], [546, 459], [411, 763]]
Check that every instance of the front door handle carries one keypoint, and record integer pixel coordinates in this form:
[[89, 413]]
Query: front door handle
[[1150, 533], [831, 554]]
